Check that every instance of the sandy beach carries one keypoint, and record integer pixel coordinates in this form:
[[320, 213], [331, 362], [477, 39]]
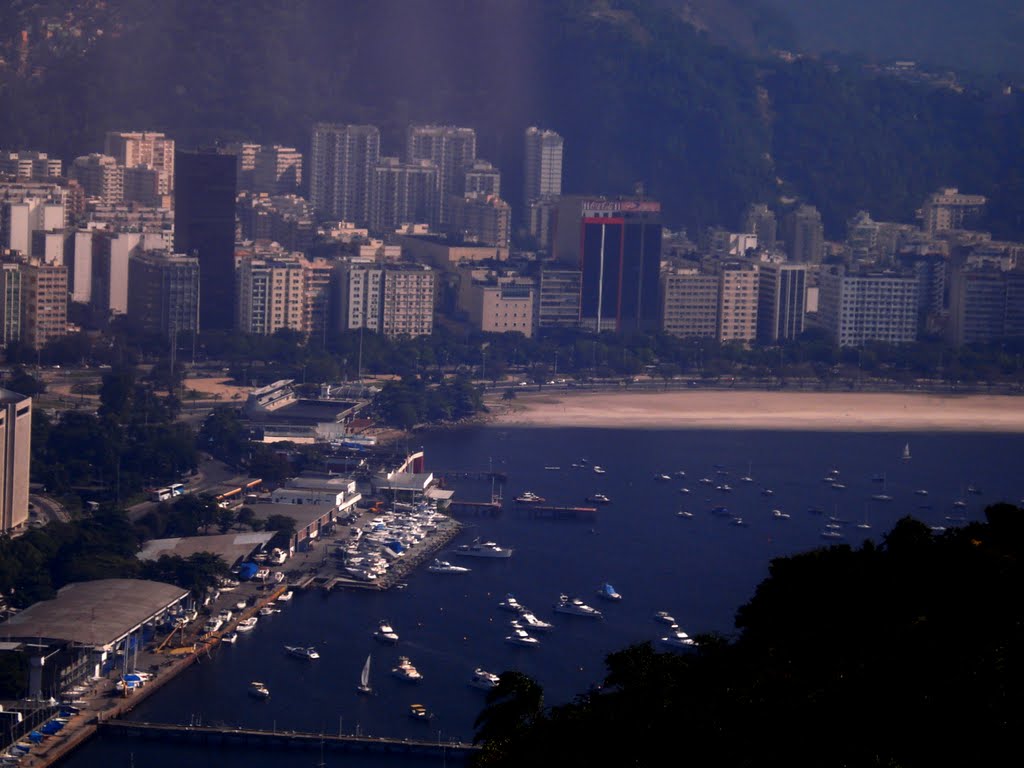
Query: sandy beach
[[765, 410]]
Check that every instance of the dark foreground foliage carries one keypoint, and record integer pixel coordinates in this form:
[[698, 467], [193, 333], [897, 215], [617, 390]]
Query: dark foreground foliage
[[905, 653]]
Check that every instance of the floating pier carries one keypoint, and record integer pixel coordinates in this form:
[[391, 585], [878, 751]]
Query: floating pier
[[225, 736]]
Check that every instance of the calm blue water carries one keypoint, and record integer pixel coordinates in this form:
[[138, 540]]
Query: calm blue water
[[700, 569]]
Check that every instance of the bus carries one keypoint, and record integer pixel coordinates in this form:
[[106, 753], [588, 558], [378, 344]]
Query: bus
[[160, 494], [177, 489]]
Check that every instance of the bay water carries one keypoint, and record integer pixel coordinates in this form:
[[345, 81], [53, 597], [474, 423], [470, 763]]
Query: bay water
[[699, 568]]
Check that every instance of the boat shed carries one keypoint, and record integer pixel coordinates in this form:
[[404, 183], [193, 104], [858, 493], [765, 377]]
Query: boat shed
[[95, 618], [311, 521], [231, 547]]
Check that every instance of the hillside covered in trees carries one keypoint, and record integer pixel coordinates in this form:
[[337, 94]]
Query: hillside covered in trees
[[640, 96], [906, 653]]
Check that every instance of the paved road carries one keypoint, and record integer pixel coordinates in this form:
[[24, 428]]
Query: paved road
[[47, 509]]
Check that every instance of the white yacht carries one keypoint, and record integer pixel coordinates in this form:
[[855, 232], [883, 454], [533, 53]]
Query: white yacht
[[662, 477], [598, 498], [478, 548], [406, 671], [522, 637], [511, 604], [286, 596], [529, 497], [664, 617], [679, 639], [385, 633], [576, 607], [443, 566], [684, 513], [230, 637], [259, 690], [483, 679], [534, 623], [599, 470], [684, 490], [302, 652], [247, 625], [778, 514]]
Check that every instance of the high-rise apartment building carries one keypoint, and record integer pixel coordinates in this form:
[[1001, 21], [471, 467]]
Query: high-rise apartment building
[[100, 176], [542, 165], [27, 208], [950, 209], [403, 193], [15, 454], [480, 218], [271, 294], [479, 178], [204, 227], [44, 302], [10, 301], [343, 160], [737, 303], [452, 149], [164, 297], [393, 299], [985, 304], [781, 301], [559, 297], [277, 170], [689, 303], [407, 308], [27, 164], [869, 306], [145, 149], [617, 246], [804, 235]]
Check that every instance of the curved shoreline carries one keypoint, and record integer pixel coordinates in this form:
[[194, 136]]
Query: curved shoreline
[[758, 409]]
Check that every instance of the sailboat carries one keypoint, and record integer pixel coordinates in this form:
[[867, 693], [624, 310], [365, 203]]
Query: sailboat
[[906, 452], [364, 678], [883, 496], [865, 524]]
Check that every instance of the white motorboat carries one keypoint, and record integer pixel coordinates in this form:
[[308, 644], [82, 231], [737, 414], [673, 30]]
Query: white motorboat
[[778, 514], [212, 625], [230, 637], [286, 596], [679, 639], [831, 534], [664, 617], [419, 712], [576, 607], [662, 477], [406, 671], [443, 566], [483, 679], [478, 548], [767, 492], [302, 652], [259, 690], [534, 623], [268, 610], [921, 491], [247, 625], [511, 604], [241, 605], [385, 633], [529, 497], [607, 592], [684, 491], [522, 637], [684, 513], [364, 677], [598, 498], [739, 522]]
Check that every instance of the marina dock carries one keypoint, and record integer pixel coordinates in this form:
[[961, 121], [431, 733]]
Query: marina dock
[[226, 736]]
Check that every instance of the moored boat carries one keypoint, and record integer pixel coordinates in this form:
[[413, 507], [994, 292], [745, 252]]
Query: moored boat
[[443, 566], [576, 607], [607, 592], [406, 671], [259, 690], [483, 679], [478, 548], [302, 652], [385, 633]]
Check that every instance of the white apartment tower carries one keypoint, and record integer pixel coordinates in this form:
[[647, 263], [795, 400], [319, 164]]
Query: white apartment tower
[[950, 209], [878, 306], [343, 161], [542, 167], [145, 149], [100, 176], [452, 149], [271, 294]]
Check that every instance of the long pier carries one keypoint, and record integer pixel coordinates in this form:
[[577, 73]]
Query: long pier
[[226, 736]]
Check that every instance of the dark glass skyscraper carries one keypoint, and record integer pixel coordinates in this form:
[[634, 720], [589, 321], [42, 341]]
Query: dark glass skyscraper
[[618, 250], [204, 226]]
